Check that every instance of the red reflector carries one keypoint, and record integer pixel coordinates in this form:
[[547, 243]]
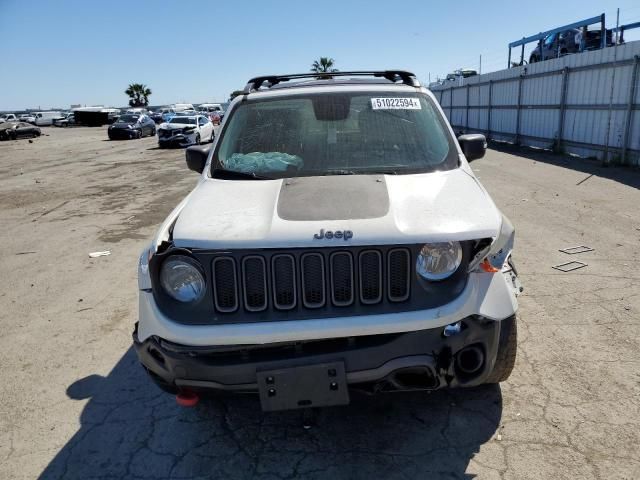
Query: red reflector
[[187, 399]]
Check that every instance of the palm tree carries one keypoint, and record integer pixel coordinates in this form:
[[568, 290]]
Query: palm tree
[[139, 94], [324, 65]]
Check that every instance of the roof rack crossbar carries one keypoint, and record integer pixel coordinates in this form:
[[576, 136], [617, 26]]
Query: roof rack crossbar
[[407, 78]]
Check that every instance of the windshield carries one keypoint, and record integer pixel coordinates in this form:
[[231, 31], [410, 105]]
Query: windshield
[[127, 118], [336, 134], [184, 120]]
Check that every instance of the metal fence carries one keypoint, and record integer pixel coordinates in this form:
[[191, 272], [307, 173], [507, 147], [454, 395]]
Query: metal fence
[[585, 104]]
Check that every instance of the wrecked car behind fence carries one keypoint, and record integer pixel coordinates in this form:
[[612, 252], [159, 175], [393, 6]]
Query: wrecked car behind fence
[[351, 247]]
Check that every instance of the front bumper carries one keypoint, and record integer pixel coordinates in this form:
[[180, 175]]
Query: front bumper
[[122, 133], [372, 363], [179, 139]]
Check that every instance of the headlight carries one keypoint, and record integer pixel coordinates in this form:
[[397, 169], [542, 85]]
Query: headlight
[[182, 278], [437, 261]]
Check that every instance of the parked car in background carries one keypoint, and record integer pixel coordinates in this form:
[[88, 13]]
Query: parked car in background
[[158, 115], [69, 120], [8, 117], [567, 42], [185, 130], [131, 126], [62, 116], [137, 111], [15, 130], [460, 74], [181, 107], [27, 117], [215, 118], [113, 114], [46, 118]]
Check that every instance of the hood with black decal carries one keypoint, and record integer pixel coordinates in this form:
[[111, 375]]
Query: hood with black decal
[[319, 211]]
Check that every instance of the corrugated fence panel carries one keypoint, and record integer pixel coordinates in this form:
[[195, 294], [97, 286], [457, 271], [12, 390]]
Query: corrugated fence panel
[[543, 91], [526, 104], [541, 123], [505, 93]]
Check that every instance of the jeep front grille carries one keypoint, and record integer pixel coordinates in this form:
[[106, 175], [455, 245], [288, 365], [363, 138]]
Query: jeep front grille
[[312, 280], [283, 279], [225, 290]]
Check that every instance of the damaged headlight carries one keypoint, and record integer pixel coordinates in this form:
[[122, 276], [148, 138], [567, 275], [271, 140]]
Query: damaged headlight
[[437, 261], [182, 278]]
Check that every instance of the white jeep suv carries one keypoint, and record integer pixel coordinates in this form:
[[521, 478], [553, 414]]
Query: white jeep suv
[[337, 240]]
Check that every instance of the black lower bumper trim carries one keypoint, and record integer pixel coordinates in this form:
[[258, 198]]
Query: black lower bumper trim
[[367, 359]]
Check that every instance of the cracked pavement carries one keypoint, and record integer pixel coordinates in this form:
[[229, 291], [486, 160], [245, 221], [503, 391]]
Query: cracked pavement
[[74, 404]]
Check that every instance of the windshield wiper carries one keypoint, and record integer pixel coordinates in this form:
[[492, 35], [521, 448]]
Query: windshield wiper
[[235, 175], [388, 171], [364, 171]]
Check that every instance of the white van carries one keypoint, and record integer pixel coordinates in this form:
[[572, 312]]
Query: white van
[[210, 107], [46, 118], [181, 107]]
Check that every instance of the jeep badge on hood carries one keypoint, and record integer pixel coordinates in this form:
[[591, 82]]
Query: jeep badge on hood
[[346, 235]]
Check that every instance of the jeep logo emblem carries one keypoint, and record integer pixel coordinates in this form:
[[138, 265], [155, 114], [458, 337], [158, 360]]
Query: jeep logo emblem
[[346, 235]]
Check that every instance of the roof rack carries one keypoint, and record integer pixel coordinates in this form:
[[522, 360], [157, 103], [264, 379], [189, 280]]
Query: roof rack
[[407, 78]]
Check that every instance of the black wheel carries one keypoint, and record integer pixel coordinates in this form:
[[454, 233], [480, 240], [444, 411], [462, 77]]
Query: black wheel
[[153, 132], [507, 347], [197, 139], [139, 134]]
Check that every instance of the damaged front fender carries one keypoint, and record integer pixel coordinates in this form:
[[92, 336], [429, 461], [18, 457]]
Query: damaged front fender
[[498, 251]]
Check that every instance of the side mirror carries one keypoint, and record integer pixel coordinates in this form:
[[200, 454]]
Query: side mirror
[[473, 145], [197, 157]]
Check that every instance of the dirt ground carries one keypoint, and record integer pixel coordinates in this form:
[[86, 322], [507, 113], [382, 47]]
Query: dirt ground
[[74, 403]]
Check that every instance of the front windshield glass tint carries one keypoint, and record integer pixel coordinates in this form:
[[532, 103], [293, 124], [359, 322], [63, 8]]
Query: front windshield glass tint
[[184, 120], [337, 134], [129, 118]]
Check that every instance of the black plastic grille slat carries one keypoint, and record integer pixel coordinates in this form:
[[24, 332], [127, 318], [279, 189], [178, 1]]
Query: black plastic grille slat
[[284, 281], [313, 280], [225, 293], [254, 276], [341, 279], [398, 272], [370, 264]]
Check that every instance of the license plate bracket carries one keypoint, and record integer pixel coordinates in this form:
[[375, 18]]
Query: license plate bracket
[[307, 386]]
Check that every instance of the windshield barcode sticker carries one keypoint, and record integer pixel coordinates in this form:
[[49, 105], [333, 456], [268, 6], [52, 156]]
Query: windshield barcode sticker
[[389, 103]]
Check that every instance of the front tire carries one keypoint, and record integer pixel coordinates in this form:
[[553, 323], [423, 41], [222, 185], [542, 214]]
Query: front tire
[[507, 347], [139, 134], [197, 139]]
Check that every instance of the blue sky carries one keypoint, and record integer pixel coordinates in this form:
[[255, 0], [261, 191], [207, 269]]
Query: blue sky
[[57, 53]]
